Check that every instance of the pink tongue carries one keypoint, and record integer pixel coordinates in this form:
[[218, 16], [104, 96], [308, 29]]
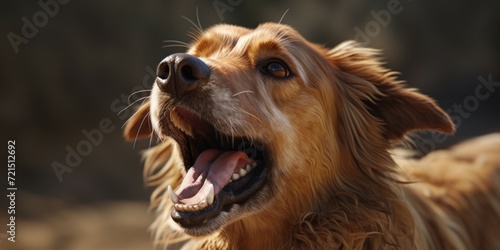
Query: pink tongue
[[212, 167]]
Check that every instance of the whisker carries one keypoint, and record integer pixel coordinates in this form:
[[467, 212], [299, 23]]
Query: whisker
[[198, 29], [283, 16], [252, 115], [140, 126], [125, 123], [137, 92], [140, 91], [131, 104], [254, 131], [150, 135], [221, 137], [176, 43], [243, 92], [195, 36], [198, 19]]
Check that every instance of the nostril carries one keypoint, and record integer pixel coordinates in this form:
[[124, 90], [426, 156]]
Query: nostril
[[188, 74], [193, 70], [163, 71]]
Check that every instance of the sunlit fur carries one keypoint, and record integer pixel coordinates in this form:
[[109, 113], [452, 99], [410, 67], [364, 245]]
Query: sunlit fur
[[333, 183]]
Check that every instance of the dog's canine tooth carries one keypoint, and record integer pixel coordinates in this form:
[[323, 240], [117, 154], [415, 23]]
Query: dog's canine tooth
[[202, 204], [211, 195], [254, 164], [173, 196]]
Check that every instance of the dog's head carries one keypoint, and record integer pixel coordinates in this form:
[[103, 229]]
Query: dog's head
[[267, 121]]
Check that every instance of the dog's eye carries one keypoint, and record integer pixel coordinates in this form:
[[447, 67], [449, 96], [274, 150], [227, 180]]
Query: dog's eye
[[276, 69]]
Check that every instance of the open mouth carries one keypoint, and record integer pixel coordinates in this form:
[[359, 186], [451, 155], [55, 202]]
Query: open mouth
[[222, 170]]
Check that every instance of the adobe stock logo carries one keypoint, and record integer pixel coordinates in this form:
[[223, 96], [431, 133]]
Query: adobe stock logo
[[30, 27], [75, 155], [222, 6], [381, 19], [460, 112]]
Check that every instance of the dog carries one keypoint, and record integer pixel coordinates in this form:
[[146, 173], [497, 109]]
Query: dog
[[269, 141]]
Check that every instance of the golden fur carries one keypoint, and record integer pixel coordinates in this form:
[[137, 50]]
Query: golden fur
[[333, 183]]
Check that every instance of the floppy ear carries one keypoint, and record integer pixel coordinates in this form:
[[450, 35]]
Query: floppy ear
[[401, 109], [139, 125]]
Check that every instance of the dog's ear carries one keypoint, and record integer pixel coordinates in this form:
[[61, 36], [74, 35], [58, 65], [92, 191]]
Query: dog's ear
[[401, 109], [139, 125]]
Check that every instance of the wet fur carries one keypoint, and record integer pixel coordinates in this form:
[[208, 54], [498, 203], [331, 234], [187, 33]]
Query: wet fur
[[334, 183]]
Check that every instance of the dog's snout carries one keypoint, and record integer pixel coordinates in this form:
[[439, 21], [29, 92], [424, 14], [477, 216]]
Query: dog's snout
[[180, 73]]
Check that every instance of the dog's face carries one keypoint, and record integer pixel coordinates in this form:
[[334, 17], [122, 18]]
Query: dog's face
[[264, 120]]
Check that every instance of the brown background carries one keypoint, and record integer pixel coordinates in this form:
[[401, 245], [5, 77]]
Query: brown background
[[66, 78]]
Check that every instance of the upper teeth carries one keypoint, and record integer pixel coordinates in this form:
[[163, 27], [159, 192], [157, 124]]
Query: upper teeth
[[244, 171]]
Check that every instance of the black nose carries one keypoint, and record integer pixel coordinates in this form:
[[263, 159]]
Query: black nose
[[180, 73]]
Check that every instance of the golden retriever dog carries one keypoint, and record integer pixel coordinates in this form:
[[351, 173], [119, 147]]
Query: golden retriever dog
[[268, 141]]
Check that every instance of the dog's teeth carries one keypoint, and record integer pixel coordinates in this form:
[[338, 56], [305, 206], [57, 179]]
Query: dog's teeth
[[178, 207], [235, 177], [202, 204], [182, 207], [194, 207], [211, 195], [248, 168], [172, 195], [254, 164], [243, 172], [186, 208]]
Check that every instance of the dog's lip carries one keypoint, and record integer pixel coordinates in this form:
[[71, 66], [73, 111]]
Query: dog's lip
[[189, 122]]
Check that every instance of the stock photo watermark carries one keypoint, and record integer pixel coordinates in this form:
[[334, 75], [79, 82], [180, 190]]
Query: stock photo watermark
[[222, 6], [30, 26], [381, 19], [11, 193], [461, 111], [94, 137]]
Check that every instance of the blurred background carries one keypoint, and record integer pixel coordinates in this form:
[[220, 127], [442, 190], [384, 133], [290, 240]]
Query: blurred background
[[68, 67]]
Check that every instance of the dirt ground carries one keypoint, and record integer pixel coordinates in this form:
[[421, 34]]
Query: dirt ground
[[113, 225]]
